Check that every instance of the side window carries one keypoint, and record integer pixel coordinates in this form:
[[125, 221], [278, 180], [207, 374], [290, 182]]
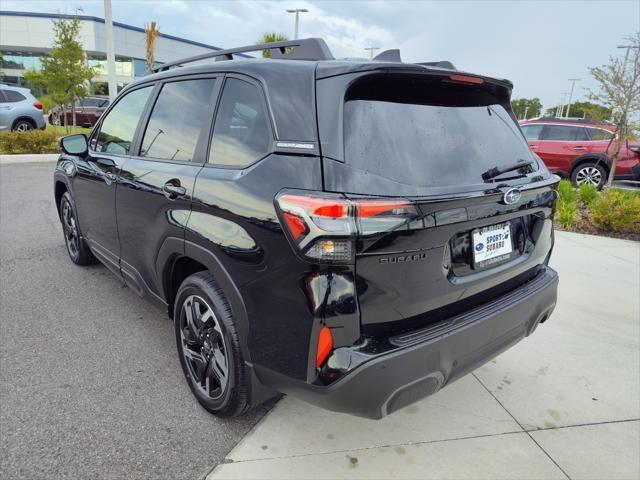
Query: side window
[[532, 132], [241, 134], [177, 120], [12, 96], [581, 134], [599, 134], [119, 126], [560, 132]]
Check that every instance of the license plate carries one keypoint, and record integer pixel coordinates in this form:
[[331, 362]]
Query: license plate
[[491, 244]]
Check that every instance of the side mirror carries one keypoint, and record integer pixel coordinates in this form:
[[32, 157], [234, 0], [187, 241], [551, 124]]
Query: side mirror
[[74, 144]]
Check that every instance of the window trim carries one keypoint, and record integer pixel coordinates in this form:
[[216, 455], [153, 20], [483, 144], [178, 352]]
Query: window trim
[[96, 129], [146, 116], [270, 123]]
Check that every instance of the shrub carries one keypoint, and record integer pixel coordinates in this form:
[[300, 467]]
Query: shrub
[[567, 212], [588, 195], [617, 210], [34, 141]]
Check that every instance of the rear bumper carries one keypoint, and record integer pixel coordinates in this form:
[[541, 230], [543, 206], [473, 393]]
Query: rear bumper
[[423, 361]]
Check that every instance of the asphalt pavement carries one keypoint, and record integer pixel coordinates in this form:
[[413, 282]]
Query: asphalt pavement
[[90, 382]]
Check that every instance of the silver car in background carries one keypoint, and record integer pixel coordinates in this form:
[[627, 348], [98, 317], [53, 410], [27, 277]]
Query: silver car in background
[[19, 110]]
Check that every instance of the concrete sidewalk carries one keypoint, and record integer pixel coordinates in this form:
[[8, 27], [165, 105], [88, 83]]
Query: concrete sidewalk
[[564, 403], [28, 158]]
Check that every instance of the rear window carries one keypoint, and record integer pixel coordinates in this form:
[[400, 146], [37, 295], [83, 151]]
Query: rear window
[[431, 145]]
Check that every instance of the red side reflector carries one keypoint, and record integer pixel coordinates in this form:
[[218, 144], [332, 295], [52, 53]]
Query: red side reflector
[[325, 345], [38, 105], [466, 79], [296, 225]]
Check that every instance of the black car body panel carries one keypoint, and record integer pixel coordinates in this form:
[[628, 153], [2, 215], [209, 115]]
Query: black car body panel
[[152, 221]]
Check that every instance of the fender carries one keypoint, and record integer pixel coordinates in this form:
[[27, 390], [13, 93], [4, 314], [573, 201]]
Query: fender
[[601, 158]]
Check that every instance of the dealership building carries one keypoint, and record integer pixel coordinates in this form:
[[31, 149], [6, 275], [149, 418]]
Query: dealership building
[[25, 37]]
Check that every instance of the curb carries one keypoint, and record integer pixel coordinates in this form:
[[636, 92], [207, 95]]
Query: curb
[[30, 158]]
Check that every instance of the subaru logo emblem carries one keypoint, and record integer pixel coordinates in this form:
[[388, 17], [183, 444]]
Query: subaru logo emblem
[[512, 196], [479, 247]]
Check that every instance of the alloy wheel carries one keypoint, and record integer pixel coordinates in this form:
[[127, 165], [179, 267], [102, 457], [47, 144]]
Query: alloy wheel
[[70, 228], [24, 127], [589, 175], [203, 347]]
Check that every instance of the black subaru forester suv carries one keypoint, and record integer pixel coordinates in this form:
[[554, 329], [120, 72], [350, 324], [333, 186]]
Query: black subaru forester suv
[[355, 233]]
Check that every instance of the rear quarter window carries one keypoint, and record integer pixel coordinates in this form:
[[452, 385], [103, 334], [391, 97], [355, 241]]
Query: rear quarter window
[[11, 96]]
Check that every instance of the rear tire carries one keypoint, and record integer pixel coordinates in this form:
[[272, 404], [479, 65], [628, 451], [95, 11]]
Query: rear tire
[[209, 347], [23, 126], [590, 173], [77, 248]]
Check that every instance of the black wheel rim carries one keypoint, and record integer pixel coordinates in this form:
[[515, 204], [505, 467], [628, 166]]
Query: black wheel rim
[[70, 230], [203, 347]]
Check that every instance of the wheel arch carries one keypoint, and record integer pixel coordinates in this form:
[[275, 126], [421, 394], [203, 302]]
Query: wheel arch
[[599, 158], [59, 189], [24, 117], [177, 259]]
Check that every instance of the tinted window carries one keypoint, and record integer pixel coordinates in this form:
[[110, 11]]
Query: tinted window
[[12, 96], [241, 134], [430, 145], [119, 126], [599, 134], [532, 132], [563, 132], [177, 119]]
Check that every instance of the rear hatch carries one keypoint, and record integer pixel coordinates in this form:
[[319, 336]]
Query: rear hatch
[[435, 143]]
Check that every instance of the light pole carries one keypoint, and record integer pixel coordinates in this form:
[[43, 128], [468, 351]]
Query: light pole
[[560, 107], [111, 59], [297, 11], [371, 49], [573, 84]]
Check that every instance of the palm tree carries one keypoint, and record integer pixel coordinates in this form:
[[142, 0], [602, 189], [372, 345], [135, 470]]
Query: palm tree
[[271, 37], [151, 31]]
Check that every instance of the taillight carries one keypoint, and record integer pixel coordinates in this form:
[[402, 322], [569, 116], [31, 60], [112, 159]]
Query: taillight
[[466, 79], [38, 105], [323, 227]]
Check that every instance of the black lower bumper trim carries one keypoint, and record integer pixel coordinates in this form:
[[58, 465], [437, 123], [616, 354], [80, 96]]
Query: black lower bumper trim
[[429, 359]]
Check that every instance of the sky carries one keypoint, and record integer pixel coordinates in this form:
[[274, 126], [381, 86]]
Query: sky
[[538, 45]]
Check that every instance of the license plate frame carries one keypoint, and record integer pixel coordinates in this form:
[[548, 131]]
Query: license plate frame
[[491, 244]]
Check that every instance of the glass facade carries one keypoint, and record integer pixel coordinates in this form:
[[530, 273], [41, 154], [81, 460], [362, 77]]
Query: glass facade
[[21, 60], [124, 66]]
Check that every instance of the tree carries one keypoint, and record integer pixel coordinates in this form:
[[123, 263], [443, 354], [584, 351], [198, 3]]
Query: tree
[[524, 108], [271, 37], [151, 32], [64, 73], [619, 90], [592, 111]]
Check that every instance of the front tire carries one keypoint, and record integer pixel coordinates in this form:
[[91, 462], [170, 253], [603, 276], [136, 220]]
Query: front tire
[[590, 173], [77, 248], [209, 347]]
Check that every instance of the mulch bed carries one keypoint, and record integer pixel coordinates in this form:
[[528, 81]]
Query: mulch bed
[[586, 225]]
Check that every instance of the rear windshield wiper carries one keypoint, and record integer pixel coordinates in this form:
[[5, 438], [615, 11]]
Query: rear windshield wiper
[[499, 170]]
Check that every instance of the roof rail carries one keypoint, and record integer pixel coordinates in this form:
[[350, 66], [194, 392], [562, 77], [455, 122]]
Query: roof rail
[[439, 64], [303, 49]]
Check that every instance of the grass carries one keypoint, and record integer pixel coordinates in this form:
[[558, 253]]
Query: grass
[[37, 141], [61, 131]]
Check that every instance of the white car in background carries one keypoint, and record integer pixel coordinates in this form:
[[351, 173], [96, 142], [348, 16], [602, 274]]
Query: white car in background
[[19, 110]]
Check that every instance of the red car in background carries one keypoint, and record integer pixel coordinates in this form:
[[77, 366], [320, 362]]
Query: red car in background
[[581, 150], [88, 111]]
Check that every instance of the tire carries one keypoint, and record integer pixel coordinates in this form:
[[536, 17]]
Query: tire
[[591, 173], [209, 347], [23, 125], [77, 248]]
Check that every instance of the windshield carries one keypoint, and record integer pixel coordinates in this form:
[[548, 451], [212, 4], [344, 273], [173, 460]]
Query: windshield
[[432, 145]]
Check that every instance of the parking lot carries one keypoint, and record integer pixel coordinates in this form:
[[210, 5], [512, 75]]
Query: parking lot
[[90, 385]]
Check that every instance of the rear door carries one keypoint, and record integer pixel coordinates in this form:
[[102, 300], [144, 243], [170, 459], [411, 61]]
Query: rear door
[[448, 239], [561, 144], [154, 200]]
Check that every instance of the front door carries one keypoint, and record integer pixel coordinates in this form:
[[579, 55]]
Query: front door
[[94, 185], [154, 198]]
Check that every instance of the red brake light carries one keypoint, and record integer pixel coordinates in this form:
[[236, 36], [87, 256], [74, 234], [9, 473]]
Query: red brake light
[[38, 105], [466, 79], [319, 207], [370, 208]]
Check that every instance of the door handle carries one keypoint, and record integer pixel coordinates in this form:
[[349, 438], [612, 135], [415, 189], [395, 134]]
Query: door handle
[[172, 189], [533, 147], [580, 148]]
